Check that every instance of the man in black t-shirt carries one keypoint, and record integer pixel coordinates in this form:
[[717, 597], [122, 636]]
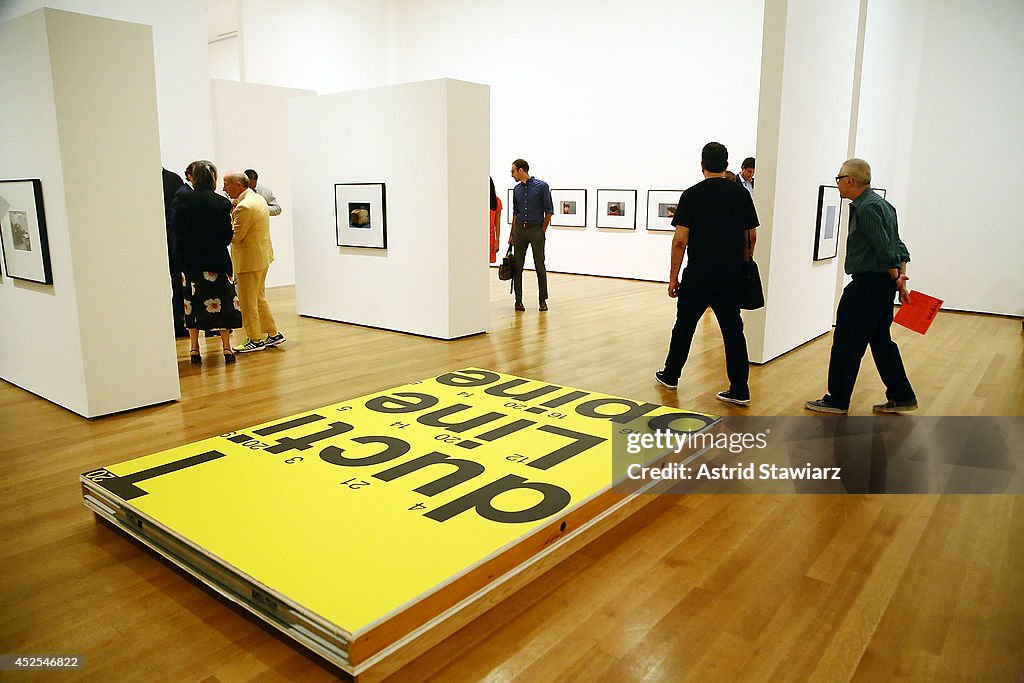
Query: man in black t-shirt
[[716, 222]]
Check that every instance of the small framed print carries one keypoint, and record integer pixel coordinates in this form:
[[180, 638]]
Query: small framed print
[[661, 209], [360, 214], [25, 246], [826, 232], [508, 207], [616, 209], [880, 191], [570, 208]]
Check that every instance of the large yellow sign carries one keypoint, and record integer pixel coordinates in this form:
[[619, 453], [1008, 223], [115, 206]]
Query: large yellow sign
[[358, 509]]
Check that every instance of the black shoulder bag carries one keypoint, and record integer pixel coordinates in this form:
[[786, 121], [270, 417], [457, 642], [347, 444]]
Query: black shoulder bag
[[753, 295]]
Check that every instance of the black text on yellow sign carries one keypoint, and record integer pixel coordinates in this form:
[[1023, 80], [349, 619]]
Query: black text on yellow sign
[[512, 438]]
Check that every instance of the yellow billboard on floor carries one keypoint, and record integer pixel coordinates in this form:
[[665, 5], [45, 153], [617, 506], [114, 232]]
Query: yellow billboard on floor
[[355, 510]]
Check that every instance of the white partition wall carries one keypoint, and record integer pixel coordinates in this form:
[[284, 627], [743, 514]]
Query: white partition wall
[[807, 87], [250, 124], [180, 60], [942, 97], [428, 143], [78, 98]]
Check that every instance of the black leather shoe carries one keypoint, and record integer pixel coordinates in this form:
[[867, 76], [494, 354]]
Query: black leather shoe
[[665, 381]]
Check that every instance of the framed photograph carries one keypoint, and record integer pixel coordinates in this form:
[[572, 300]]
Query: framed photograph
[[26, 249], [880, 191], [661, 209], [826, 232], [616, 209], [360, 215], [570, 208], [508, 207]]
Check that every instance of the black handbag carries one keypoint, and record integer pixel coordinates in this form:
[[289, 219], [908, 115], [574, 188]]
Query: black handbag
[[752, 297], [507, 264]]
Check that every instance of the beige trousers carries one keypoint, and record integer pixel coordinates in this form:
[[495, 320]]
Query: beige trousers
[[256, 316]]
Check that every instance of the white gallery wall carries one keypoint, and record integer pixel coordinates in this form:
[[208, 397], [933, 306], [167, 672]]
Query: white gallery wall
[[250, 125], [100, 338], [940, 125], [322, 45], [807, 90], [598, 95], [179, 54], [625, 99], [428, 143]]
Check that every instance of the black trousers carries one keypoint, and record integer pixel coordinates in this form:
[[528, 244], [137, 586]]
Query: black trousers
[[177, 296], [863, 319], [695, 297], [529, 235]]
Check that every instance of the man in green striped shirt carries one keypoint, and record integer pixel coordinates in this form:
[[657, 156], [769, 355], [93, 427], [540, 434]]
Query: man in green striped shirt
[[877, 260]]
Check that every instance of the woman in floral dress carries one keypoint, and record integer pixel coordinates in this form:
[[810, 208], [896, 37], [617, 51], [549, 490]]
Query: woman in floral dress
[[202, 226]]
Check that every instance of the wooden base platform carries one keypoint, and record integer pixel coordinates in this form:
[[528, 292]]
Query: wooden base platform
[[359, 528]]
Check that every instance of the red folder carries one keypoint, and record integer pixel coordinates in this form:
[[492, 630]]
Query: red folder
[[919, 313]]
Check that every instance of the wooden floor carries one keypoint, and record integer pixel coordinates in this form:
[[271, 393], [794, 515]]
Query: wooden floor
[[715, 587]]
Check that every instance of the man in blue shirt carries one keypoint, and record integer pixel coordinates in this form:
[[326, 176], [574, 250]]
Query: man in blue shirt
[[877, 260], [531, 212]]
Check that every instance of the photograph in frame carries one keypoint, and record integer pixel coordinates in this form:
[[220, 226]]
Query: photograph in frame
[[661, 209], [23, 239], [826, 230], [360, 212], [616, 209], [570, 208]]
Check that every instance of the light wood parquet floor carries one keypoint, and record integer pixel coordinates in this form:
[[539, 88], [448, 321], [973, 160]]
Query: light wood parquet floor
[[712, 587]]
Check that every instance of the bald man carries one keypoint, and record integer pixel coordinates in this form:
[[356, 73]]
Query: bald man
[[251, 256]]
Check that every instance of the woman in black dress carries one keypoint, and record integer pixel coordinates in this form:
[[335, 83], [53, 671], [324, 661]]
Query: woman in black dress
[[202, 225]]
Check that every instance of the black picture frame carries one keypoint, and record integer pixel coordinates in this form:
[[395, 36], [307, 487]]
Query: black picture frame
[[623, 221], [24, 242], [655, 198], [826, 228], [361, 215], [508, 206], [563, 195]]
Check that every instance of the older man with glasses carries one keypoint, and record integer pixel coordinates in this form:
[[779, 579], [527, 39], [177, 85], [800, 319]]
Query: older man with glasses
[[877, 260]]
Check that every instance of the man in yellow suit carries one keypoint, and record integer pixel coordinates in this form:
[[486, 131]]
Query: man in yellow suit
[[251, 256]]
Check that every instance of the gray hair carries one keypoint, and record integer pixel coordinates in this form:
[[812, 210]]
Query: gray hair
[[858, 170], [238, 178]]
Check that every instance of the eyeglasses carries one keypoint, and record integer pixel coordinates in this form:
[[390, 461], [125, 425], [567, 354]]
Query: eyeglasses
[[840, 177]]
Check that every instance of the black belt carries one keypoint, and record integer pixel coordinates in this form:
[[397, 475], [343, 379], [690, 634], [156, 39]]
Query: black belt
[[531, 225]]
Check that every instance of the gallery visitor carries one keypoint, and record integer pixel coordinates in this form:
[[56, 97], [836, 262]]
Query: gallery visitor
[[251, 254], [531, 213], [263, 191], [495, 227], [877, 259], [202, 230], [716, 227]]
